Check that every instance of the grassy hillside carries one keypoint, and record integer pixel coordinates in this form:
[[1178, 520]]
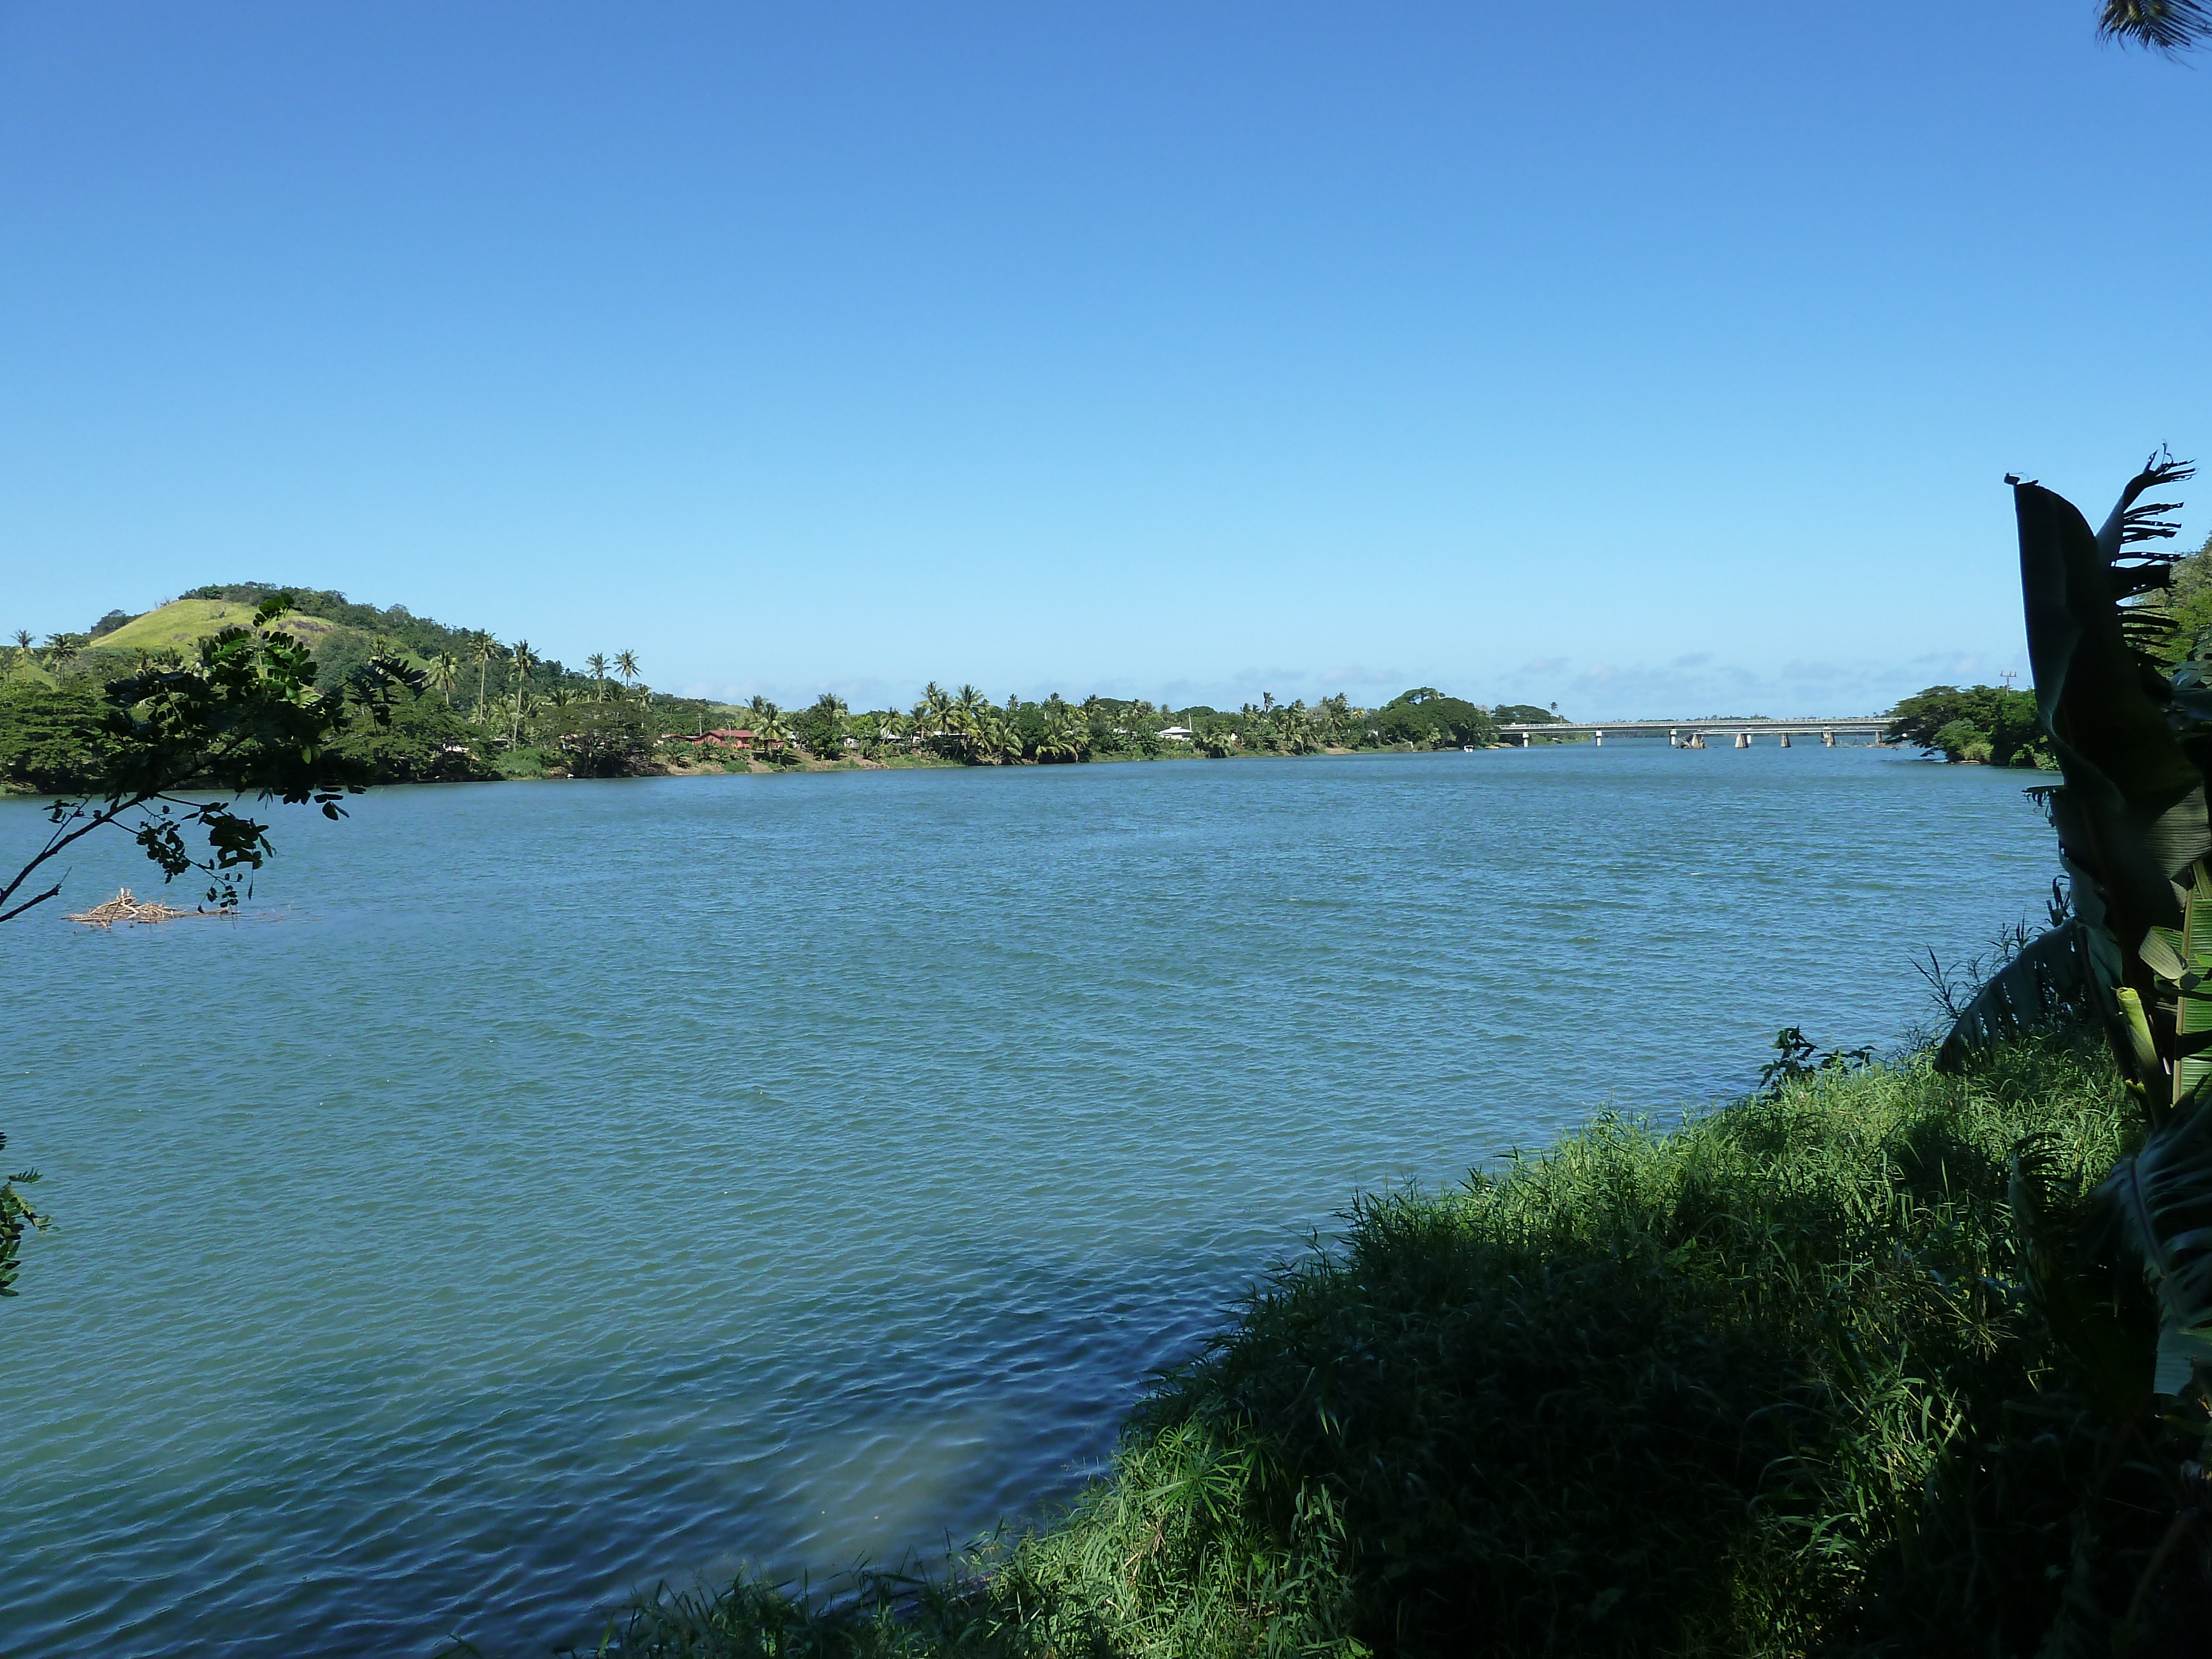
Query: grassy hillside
[[177, 624]]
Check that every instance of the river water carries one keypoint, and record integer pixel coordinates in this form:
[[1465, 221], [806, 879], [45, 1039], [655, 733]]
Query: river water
[[568, 1187]]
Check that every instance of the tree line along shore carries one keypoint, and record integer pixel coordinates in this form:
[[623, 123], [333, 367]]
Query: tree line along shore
[[456, 705], [459, 705]]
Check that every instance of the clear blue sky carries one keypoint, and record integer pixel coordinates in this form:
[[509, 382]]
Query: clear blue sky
[[1649, 359]]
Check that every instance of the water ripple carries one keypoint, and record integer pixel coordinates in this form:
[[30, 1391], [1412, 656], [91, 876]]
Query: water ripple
[[589, 1184]]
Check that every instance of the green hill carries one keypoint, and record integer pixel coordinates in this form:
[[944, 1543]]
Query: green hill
[[176, 625]]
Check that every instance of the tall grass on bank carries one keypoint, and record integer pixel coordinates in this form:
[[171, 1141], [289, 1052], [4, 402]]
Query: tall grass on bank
[[1792, 1378]]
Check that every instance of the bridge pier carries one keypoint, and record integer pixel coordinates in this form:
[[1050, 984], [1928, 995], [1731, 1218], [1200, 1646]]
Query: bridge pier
[[1673, 738], [1785, 739], [1600, 738], [1827, 739], [1743, 739]]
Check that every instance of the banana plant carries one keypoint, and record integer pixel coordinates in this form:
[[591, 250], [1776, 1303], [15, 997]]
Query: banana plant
[[2134, 746], [2132, 817], [2134, 743], [2162, 1193]]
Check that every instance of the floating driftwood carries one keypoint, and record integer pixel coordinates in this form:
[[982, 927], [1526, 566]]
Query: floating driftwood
[[124, 907]]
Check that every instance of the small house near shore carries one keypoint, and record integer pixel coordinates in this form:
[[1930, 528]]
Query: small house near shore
[[738, 738]]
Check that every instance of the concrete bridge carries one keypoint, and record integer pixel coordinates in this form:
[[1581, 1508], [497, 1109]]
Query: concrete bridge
[[1691, 734]]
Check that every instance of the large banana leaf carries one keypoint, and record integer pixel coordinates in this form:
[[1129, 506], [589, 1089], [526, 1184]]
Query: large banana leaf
[[2051, 973], [2131, 819], [2162, 1195]]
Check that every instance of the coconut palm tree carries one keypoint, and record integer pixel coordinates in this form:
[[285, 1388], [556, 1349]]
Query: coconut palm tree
[[483, 649], [937, 706], [524, 659], [23, 648], [626, 666], [831, 718], [771, 726], [597, 662], [1066, 735], [2167, 26], [442, 675], [526, 706]]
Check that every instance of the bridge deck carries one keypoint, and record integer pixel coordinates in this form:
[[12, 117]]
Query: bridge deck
[[1855, 724]]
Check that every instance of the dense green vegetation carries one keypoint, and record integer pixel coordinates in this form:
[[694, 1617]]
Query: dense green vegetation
[[2187, 604], [423, 702], [455, 704], [1803, 1376], [1982, 725]]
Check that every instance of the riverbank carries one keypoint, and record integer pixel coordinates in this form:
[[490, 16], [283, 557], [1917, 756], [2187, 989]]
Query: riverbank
[[1779, 1381], [532, 766]]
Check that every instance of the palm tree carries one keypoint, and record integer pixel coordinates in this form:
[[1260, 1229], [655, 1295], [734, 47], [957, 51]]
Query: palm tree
[[526, 705], [626, 666], [771, 729], [61, 652], [525, 660], [967, 717], [936, 709], [1065, 735], [2167, 26], [483, 649], [597, 662], [443, 674], [832, 717]]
